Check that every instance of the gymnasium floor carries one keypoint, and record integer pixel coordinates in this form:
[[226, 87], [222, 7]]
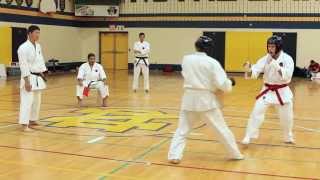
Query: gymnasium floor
[[130, 139]]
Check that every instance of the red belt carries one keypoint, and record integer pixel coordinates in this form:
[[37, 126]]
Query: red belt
[[275, 88]]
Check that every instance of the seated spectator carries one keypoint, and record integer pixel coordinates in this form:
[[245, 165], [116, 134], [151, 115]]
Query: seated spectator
[[313, 68]]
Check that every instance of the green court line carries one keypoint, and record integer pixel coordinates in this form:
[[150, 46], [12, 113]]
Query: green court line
[[102, 178], [140, 156]]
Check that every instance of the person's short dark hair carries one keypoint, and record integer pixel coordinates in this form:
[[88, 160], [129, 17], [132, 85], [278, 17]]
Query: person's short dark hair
[[141, 34], [312, 61], [91, 55], [204, 44], [33, 28]]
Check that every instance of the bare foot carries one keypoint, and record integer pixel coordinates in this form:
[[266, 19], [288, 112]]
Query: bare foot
[[174, 161], [241, 157], [246, 140], [290, 142], [25, 128], [34, 123]]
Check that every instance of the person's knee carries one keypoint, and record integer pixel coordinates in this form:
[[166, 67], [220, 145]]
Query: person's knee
[[102, 90], [105, 96]]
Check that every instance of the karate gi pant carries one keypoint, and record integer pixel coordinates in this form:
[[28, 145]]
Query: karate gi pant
[[145, 72], [285, 113], [29, 106], [100, 86], [214, 118]]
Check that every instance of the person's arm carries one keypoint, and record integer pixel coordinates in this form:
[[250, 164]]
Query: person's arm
[[136, 48], [221, 81], [43, 67], [182, 67], [24, 67], [80, 76], [80, 82], [103, 75], [258, 68]]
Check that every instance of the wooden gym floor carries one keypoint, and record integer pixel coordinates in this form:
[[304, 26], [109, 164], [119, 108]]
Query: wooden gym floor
[[130, 139]]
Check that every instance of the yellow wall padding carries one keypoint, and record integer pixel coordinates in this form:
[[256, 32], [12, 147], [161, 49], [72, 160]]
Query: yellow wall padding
[[5, 45], [242, 47]]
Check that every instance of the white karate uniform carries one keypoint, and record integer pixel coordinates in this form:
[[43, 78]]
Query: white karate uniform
[[203, 75], [270, 68], [140, 65], [31, 61], [95, 75]]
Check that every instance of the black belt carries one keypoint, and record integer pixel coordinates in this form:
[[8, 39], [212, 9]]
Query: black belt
[[142, 59], [40, 75]]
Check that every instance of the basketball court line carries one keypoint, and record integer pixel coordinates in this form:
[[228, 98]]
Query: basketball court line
[[96, 139], [138, 134], [140, 156], [213, 141], [164, 164], [10, 125], [234, 172], [188, 151], [72, 170], [223, 170]]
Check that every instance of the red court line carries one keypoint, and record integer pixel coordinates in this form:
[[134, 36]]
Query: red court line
[[230, 171], [161, 164]]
